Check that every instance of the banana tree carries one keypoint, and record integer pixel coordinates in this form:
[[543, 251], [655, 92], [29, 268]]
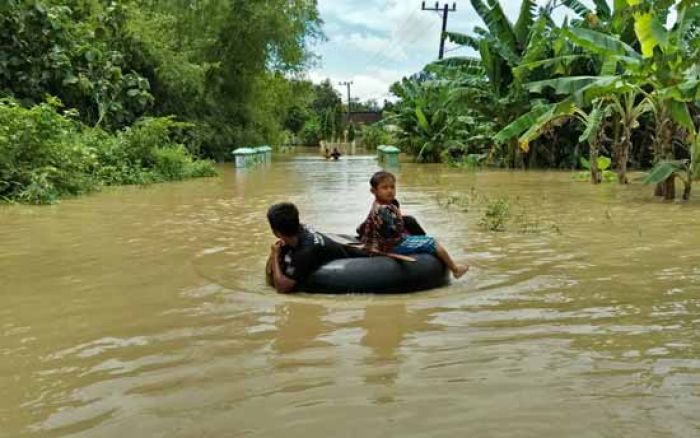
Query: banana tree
[[672, 59], [671, 170], [495, 91], [424, 124], [543, 118]]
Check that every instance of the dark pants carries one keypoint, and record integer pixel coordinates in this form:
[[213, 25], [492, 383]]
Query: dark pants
[[412, 226]]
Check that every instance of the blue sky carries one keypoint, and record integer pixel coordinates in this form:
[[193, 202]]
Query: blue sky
[[376, 42]]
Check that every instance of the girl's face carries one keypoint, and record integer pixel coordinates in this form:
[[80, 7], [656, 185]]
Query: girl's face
[[385, 192]]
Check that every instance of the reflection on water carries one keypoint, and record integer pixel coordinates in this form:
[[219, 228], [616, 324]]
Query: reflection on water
[[144, 311]]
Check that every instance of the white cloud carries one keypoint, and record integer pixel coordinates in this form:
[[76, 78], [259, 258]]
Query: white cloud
[[371, 85], [375, 85], [372, 45], [376, 42]]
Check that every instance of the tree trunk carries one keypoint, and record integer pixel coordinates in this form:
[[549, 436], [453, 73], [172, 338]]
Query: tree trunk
[[663, 150], [670, 188], [623, 150], [596, 176], [660, 189], [686, 189]]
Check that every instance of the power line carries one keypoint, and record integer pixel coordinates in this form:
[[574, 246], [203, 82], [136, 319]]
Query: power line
[[393, 43], [418, 34]]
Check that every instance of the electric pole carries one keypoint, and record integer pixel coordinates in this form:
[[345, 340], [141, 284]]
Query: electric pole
[[445, 13], [348, 85]]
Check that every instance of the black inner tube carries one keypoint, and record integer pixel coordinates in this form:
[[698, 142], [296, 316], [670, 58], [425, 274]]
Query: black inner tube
[[379, 275]]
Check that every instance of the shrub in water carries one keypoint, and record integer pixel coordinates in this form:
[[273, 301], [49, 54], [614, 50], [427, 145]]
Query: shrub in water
[[496, 215]]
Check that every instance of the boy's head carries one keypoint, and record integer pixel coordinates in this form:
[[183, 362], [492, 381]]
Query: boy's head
[[383, 186], [284, 219]]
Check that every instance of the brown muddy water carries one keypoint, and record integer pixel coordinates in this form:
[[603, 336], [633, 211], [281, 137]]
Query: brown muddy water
[[143, 312]]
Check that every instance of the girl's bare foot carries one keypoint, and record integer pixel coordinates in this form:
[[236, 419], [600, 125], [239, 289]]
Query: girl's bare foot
[[459, 271]]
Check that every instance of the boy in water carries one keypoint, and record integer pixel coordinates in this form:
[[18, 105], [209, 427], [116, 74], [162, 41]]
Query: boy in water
[[299, 250], [384, 230]]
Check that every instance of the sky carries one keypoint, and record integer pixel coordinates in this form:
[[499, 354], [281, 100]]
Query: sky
[[374, 43]]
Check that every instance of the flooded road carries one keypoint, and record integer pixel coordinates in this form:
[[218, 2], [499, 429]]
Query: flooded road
[[143, 312]]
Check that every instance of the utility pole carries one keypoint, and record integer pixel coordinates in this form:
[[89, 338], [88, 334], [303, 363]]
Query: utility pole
[[445, 13], [348, 85]]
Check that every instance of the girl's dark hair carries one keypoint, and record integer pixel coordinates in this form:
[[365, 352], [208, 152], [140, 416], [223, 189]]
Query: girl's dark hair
[[380, 176], [284, 218]]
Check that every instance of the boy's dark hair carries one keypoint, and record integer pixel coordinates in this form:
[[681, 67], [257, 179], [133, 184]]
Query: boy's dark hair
[[380, 176], [284, 218]]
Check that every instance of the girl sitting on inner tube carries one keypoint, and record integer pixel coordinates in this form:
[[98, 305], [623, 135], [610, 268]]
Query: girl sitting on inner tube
[[384, 230]]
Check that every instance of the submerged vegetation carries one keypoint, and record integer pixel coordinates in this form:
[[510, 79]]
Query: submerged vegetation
[[615, 81], [500, 213]]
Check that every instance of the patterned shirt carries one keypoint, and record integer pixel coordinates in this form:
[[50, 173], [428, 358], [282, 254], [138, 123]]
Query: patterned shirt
[[384, 228]]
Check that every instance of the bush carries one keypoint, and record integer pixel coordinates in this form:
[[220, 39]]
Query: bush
[[175, 163], [38, 160], [46, 155], [311, 133], [496, 215], [374, 135]]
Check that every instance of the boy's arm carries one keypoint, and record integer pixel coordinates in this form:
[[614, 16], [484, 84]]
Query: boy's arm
[[281, 282]]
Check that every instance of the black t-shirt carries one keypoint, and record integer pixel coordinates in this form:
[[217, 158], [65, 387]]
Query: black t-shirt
[[314, 249]]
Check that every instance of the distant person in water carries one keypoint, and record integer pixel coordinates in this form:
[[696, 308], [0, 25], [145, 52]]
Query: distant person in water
[[384, 230], [336, 154], [327, 154], [299, 250]]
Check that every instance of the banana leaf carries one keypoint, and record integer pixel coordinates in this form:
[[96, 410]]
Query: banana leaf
[[568, 85], [540, 42], [521, 124], [463, 39], [422, 120], [609, 67], [602, 9], [681, 115], [562, 110], [650, 32], [496, 21], [600, 43], [566, 60], [593, 122], [688, 91], [577, 7], [603, 162], [525, 21], [662, 171], [466, 64]]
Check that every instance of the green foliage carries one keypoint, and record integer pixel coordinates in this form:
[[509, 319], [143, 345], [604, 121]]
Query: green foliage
[[500, 214], [351, 132], [74, 54], [665, 169], [423, 121], [616, 79], [603, 163], [496, 215], [471, 161], [311, 133], [46, 155], [371, 136], [223, 65]]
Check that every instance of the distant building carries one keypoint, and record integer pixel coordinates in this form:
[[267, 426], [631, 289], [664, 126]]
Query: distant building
[[362, 118]]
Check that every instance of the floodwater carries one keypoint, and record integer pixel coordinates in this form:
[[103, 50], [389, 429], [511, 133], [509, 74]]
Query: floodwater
[[143, 312]]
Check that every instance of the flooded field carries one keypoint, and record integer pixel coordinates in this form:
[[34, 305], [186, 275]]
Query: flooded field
[[143, 312]]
